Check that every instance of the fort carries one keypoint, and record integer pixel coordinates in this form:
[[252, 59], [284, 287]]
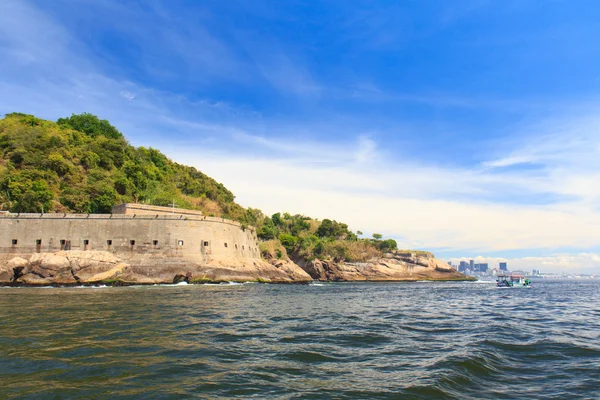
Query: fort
[[145, 244], [155, 243], [133, 231]]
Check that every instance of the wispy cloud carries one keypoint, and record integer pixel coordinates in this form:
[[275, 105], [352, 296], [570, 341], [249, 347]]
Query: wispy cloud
[[284, 71], [127, 95], [535, 187]]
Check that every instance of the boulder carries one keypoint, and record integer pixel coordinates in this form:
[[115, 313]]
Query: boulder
[[64, 277], [7, 275], [34, 280], [17, 262], [291, 269], [45, 265], [316, 269], [101, 273], [17, 265], [90, 259]]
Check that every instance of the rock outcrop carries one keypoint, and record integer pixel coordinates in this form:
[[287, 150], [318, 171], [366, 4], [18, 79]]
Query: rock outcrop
[[394, 266], [70, 268]]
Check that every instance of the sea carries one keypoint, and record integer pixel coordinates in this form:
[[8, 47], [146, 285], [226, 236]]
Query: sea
[[420, 340]]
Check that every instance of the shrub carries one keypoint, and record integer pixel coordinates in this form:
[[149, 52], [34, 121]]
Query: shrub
[[272, 249], [288, 241]]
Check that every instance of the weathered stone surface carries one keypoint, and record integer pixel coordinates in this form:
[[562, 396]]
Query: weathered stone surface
[[291, 269], [79, 260], [101, 273], [49, 261], [91, 267], [6, 274], [17, 262], [34, 280], [64, 277], [392, 267]]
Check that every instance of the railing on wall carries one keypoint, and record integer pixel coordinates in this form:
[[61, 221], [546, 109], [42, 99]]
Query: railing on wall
[[124, 217]]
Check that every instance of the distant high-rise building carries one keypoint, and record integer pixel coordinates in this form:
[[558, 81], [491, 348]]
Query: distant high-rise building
[[483, 267], [472, 265], [503, 266], [462, 266]]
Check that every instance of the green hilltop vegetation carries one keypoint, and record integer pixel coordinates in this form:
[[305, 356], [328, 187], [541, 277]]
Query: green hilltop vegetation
[[82, 164]]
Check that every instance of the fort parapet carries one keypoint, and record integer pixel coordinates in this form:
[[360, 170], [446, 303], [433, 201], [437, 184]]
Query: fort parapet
[[146, 209]]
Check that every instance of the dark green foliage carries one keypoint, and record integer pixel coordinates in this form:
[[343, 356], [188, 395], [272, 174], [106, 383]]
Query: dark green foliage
[[87, 165], [277, 221], [333, 229], [268, 230], [387, 245], [305, 238], [288, 241], [90, 125]]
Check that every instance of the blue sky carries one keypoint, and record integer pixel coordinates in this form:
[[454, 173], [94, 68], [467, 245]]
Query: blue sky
[[469, 128]]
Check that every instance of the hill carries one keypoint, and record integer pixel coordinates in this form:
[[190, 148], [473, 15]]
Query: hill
[[84, 164]]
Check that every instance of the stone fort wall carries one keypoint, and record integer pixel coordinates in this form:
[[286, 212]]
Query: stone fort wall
[[142, 239]]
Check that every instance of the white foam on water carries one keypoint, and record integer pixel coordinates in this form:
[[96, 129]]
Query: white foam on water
[[87, 287], [181, 283]]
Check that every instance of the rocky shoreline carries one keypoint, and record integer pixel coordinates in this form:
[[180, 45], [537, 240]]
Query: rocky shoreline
[[74, 268], [77, 268], [393, 267]]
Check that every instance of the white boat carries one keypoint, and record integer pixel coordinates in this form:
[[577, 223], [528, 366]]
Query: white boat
[[514, 281]]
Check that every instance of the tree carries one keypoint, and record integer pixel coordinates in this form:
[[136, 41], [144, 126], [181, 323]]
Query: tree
[[102, 197], [299, 224], [267, 231], [36, 198], [276, 218], [388, 245], [288, 241], [332, 229], [90, 125], [377, 236]]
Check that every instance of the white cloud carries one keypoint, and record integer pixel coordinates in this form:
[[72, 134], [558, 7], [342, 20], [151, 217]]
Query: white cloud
[[127, 95], [367, 149], [360, 199], [509, 161]]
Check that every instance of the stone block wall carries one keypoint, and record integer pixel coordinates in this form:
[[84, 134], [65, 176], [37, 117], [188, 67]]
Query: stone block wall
[[139, 238]]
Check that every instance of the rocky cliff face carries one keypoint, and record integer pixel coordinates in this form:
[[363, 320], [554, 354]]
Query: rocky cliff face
[[100, 267], [393, 267], [71, 268]]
